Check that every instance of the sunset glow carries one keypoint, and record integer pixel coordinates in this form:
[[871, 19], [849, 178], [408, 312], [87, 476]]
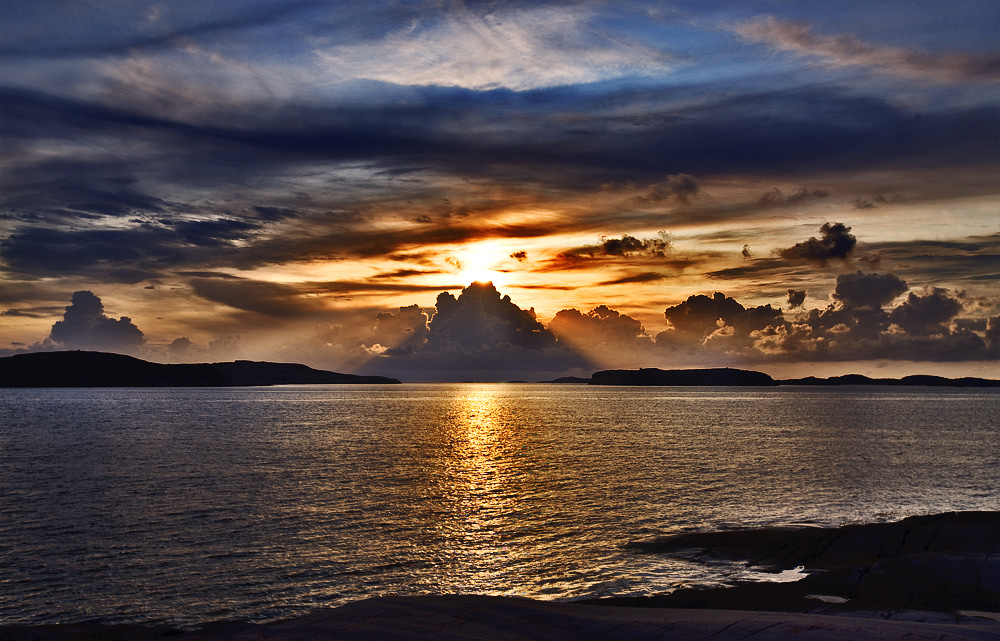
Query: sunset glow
[[301, 183]]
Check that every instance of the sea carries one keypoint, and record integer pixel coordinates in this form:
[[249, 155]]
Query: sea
[[184, 506]]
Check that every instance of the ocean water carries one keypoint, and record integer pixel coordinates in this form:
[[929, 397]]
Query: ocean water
[[185, 506]]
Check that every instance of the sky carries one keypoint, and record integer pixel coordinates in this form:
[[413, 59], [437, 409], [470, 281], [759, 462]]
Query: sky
[[448, 191]]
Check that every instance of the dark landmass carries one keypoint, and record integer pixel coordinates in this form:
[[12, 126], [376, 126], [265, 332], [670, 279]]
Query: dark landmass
[[737, 377], [942, 563], [568, 379], [99, 369], [925, 577], [681, 377], [918, 380]]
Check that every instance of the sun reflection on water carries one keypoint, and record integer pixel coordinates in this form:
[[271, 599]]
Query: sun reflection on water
[[485, 469]]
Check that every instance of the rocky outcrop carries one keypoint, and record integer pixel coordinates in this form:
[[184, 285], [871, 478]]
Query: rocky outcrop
[[99, 369], [945, 562]]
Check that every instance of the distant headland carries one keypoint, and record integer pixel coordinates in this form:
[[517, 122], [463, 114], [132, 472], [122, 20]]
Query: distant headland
[[100, 369], [738, 377]]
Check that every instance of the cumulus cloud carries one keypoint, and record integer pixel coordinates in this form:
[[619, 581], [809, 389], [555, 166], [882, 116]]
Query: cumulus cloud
[[85, 326], [927, 314], [868, 290], [835, 242], [700, 315], [403, 331], [796, 298], [478, 335], [855, 326], [520, 256], [846, 49], [479, 317], [600, 326]]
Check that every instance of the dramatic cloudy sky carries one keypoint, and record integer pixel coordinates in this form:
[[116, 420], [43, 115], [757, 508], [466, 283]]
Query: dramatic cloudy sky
[[795, 187]]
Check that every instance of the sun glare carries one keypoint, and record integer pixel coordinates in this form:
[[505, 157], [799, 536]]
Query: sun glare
[[481, 264]]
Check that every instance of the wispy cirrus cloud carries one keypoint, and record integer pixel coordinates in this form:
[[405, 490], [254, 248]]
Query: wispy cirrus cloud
[[518, 49], [846, 49]]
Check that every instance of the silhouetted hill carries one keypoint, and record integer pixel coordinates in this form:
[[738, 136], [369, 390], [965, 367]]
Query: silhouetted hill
[[916, 380], [99, 369], [681, 377], [568, 379]]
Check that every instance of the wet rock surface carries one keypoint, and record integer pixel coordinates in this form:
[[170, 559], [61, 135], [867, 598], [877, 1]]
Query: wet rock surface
[[944, 563]]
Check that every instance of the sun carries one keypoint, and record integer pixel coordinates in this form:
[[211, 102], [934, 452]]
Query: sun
[[482, 264]]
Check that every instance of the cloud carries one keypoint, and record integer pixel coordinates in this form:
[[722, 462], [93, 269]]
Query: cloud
[[643, 277], [520, 256], [481, 317], [478, 335], [400, 332], [776, 197], [626, 246], [277, 300], [846, 49], [796, 297], [518, 48], [700, 315], [85, 326], [868, 290], [601, 326], [926, 315], [836, 243], [677, 187]]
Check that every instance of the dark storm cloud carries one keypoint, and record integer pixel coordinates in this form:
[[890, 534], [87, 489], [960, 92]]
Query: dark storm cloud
[[836, 242], [796, 297], [126, 255], [868, 290], [789, 131], [85, 326]]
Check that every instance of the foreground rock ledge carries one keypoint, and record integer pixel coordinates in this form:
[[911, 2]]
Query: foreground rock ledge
[[444, 618]]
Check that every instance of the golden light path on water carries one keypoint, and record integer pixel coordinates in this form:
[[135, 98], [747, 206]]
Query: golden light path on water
[[484, 447]]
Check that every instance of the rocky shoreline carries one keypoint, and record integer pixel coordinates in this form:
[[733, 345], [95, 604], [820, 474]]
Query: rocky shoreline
[[925, 577]]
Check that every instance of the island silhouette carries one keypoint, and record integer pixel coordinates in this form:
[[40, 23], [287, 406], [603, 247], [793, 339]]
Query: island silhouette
[[101, 369]]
